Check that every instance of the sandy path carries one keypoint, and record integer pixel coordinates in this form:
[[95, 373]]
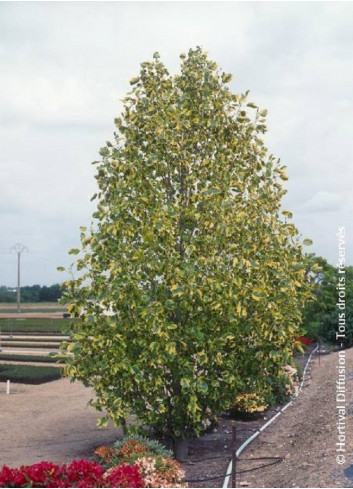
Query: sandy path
[[306, 435], [43, 352], [32, 305], [50, 421], [46, 337]]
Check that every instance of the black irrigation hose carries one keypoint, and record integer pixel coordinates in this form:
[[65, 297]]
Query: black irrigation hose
[[239, 459], [276, 461], [260, 467], [204, 459], [260, 458]]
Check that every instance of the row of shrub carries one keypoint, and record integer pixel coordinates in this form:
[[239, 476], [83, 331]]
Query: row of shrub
[[132, 462]]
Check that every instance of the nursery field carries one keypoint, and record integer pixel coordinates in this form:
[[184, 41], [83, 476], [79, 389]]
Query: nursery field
[[52, 421], [47, 417], [27, 349]]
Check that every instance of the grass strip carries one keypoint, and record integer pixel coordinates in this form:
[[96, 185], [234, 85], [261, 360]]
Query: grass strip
[[28, 374], [36, 325]]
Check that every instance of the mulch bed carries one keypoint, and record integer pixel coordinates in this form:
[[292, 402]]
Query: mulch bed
[[210, 454]]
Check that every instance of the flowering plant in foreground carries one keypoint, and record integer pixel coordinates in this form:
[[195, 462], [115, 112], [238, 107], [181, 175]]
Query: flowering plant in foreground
[[161, 472], [79, 473], [124, 476], [129, 449]]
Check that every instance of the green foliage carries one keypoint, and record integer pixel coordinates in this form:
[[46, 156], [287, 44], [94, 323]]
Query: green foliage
[[279, 390], [28, 374], [300, 370], [280, 393], [320, 317], [249, 403], [192, 280]]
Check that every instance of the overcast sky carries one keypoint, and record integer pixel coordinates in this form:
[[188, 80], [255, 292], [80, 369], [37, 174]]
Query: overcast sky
[[65, 66]]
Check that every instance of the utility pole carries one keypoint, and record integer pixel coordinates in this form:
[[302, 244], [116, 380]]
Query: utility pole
[[19, 249]]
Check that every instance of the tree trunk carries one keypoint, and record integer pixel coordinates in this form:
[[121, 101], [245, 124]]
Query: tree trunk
[[123, 426], [181, 448]]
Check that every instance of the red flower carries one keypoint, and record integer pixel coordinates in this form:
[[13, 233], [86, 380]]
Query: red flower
[[79, 470], [11, 477], [79, 473], [124, 476]]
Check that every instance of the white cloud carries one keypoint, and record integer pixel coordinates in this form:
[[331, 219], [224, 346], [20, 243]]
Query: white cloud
[[324, 202], [66, 65]]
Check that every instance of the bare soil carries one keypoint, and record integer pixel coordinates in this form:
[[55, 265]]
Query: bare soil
[[52, 422], [306, 435], [49, 422]]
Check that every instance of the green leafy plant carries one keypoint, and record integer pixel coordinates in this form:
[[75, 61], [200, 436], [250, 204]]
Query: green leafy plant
[[320, 317], [191, 280], [129, 449], [250, 403], [282, 389]]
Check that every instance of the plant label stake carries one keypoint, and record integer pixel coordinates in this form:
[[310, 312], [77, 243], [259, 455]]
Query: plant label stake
[[8, 387], [234, 455]]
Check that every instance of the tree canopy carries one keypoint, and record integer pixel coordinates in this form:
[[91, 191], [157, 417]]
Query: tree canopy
[[321, 317], [192, 278]]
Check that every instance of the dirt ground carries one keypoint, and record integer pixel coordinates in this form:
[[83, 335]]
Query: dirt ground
[[50, 421], [306, 435]]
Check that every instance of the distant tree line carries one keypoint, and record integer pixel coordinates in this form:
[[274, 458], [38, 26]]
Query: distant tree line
[[31, 293]]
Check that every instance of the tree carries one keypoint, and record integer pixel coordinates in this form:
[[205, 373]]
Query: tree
[[192, 280], [320, 317]]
